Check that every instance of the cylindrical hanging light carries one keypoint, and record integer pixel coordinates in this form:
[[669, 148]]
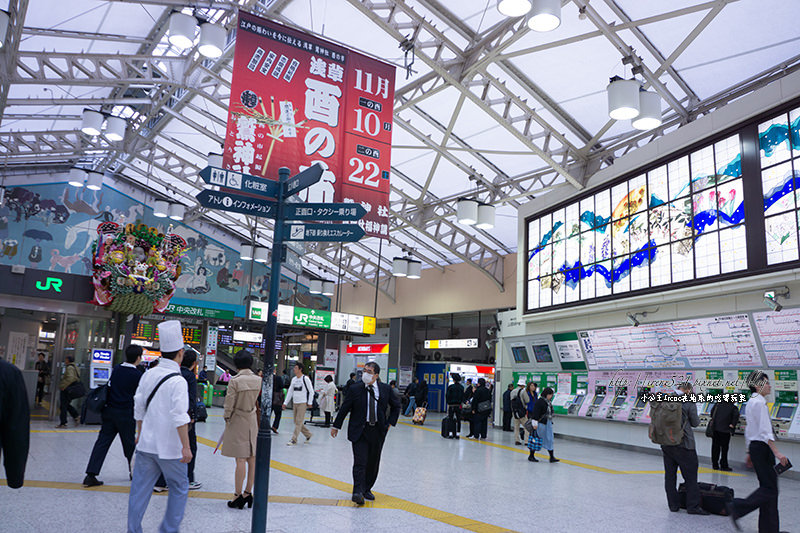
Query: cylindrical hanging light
[[246, 252], [214, 160], [260, 254], [94, 181], [545, 15], [467, 211], [3, 27], [160, 209], [212, 40], [400, 267], [77, 176], [115, 128], [623, 98], [328, 288], [414, 269], [485, 216], [315, 286], [176, 211], [91, 122], [513, 8], [649, 111], [181, 30]]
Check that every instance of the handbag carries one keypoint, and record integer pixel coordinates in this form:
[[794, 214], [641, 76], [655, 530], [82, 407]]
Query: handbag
[[484, 406], [534, 442], [75, 390], [530, 426], [710, 428], [96, 401]]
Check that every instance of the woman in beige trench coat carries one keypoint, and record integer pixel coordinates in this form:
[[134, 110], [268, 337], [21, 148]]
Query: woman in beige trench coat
[[241, 426]]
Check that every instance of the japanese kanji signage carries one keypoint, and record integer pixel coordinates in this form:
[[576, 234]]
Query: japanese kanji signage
[[237, 203], [338, 212], [323, 232], [297, 100], [231, 179]]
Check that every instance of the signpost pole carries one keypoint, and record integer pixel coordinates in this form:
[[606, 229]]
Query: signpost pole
[[264, 440]]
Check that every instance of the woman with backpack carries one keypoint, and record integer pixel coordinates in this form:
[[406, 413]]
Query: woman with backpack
[[543, 414]]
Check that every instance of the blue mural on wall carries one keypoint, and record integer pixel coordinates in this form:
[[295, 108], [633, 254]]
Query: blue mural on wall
[[53, 227]]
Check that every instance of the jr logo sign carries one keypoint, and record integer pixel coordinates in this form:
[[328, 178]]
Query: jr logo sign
[[50, 283]]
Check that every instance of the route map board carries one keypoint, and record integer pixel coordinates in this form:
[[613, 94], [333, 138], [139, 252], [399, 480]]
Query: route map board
[[715, 342], [780, 336]]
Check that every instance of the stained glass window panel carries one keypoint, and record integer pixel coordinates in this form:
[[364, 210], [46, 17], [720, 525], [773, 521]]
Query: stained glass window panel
[[639, 199], [546, 292], [704, 204], [678, 175], [661, 267], [587, 218], [573, 250], [730, 203], [559, 255], [706, 255], [602, 276], [781, 238], [559, 290], [703, 171], [637, 229], [587, 287], [620, 239], [640, 272], [622, 271], [733, 249], [602, 239], [572, 286], [546, 260], [587, 248], [657, 185], [602, 206], [682, 260], [777, 184], [773, 140], [619, 201], [533, 294], [659, 224], [558, 225], [727, 155]]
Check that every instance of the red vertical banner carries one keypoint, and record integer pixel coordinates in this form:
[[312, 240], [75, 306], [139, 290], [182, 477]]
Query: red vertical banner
[[297, 100]]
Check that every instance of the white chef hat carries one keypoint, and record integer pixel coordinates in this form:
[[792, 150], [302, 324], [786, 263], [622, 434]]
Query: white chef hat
[[170, 335], [521, 381]]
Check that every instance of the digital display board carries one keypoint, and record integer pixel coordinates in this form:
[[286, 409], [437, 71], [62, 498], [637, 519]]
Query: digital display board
[[449, 344], [192, 335], [144, 331], [247, 336], [315, 318], [520, 354], [542, 353]]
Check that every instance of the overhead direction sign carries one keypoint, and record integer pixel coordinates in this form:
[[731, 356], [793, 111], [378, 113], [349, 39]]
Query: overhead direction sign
[[331, 211], [303, 180], [323, 232], [242, 182], [237, 203]]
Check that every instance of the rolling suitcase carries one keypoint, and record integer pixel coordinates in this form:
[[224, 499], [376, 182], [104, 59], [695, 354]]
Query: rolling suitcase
[[419, 416], [712, 497], [448, 427]]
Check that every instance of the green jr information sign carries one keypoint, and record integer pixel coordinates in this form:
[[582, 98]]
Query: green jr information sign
[[202, 312], [312, 318]]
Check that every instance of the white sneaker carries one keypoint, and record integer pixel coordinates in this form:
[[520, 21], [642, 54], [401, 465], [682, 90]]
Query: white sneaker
[[159, 489], [308, 439], [194, 485], [291, 443]]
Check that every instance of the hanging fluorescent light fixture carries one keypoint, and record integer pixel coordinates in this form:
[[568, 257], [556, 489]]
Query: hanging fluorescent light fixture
[[214, 160], [545, 15], [649, 111], [623, 98], [91, 122], [414, 269], [246, 252], [467, 211], [260, 254], [400, 267], [181, 30], [315, 286], [77, 176], [115, 128], [513, 8], [94, 181], [485, 216], [160, 209], [4, 22], [212, 40], [177, 211], [328, 288]]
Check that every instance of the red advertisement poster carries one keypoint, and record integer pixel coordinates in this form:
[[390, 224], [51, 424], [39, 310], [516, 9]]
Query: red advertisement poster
[[297, 100]]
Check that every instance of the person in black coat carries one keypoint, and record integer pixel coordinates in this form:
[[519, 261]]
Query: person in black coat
[[724, 417], [454, 396], [421, 394], [478, 424], [543, 414], [370, 418], [15, 424], [507, 413]]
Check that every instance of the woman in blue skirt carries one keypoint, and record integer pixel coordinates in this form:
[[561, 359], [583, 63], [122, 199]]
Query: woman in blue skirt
[[543, 414]]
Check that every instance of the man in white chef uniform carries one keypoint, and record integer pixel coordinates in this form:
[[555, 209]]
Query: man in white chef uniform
[[162, 434]]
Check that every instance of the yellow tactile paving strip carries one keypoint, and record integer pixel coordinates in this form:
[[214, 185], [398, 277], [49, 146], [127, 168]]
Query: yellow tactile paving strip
[[524, 450]]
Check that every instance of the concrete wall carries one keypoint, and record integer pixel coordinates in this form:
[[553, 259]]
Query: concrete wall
[[458, 289]]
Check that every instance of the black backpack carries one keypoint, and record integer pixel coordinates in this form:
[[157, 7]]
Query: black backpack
[[519, 410]]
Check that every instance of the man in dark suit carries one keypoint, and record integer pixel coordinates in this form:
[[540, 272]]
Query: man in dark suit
[[367, 403], [14, 424]]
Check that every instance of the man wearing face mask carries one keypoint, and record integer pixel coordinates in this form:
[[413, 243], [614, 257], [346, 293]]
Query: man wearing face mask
[[367, 403]]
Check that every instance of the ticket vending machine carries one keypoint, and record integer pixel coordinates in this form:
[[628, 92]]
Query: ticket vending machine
[[782, 415], [575, 406], [100, 368], [621, 394], [638, 408], [597, 400]]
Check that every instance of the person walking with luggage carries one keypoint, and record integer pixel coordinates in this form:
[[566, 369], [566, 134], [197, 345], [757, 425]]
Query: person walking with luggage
[[507, 413], [454, 396], [481, 407], [542, 412], [724, 417], [69, 381], [421, 394], [411, 391], [117, 416], [301, 398], [161, 408], [43, 368], [278, 396], [761, 455], [241, 427], [328, 400], [372, 408], [683, 456]]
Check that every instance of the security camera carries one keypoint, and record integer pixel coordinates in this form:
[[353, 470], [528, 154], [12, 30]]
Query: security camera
[[772, 303], [632, 320]]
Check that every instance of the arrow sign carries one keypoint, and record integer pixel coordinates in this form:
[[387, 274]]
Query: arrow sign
[[302, 180], [323, 232], [237, 203], [337, 212], [242, 182]]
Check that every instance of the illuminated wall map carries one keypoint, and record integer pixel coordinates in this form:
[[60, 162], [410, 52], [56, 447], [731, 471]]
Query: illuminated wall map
[[779, 140], [716, 342], [679, 222], [780, 337]]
